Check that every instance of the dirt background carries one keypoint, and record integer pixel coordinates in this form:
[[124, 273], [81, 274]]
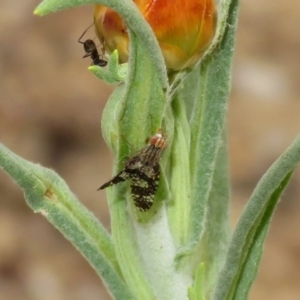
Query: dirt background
[[50, 109]]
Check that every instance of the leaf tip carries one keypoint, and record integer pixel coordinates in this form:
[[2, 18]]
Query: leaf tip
[[93, 68], [43, 9], [37, 12]]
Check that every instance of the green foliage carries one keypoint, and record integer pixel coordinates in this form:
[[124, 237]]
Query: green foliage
[[180, 248], [46, 193], [196, 292], [113, 73], [246, 246]]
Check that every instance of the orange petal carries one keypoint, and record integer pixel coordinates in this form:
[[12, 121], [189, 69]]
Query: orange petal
[[184, 29]]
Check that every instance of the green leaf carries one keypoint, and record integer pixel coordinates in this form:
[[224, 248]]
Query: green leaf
[[217, 227], [224, 7], [207, 126], [47, 193], [196, 292], [251, 264], [134, 112], [246, 247], [134, 20], [179, 207], [114, 72]]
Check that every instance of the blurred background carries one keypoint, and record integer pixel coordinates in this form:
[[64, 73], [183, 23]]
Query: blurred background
[[50, 110]]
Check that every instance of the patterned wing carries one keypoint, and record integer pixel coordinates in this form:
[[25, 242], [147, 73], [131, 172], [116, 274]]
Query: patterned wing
[[142, 170], [122, 176], [143, 184]]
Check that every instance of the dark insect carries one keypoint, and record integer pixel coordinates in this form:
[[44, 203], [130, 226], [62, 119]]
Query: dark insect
[[143, 172], [91, 51]]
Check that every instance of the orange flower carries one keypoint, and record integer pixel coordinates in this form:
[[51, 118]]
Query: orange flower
[[183, 28]]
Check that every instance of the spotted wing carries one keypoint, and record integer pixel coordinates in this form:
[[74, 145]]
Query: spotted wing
[[122, 176], [143, 184]]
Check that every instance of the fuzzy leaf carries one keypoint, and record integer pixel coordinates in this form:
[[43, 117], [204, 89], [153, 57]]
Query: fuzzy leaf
[[47, 193], [133, 113], [114, 72], [217, 228], [207, 127], [179, 209], [196, 292], [246, 247]]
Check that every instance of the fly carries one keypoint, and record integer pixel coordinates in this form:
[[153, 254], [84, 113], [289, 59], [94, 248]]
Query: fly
[[143, 172]]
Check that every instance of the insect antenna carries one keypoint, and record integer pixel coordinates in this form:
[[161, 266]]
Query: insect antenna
[[79, 40]]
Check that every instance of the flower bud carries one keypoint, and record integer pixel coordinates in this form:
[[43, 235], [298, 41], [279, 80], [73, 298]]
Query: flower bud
[[183, 28]]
